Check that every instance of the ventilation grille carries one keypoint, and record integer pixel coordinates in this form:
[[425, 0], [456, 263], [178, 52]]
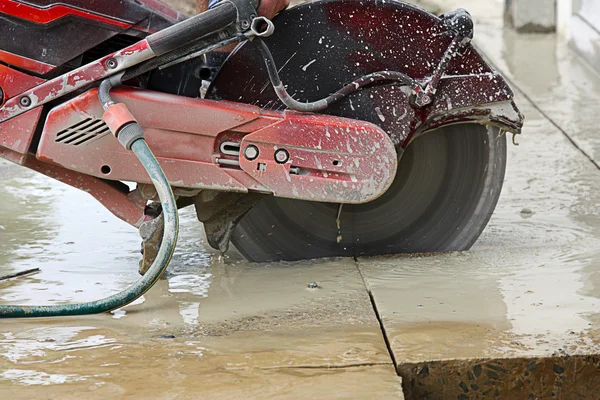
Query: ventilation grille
[[82, 132]]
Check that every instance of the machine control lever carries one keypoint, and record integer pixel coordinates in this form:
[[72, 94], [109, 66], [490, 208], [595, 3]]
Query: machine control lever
[[460, 24]]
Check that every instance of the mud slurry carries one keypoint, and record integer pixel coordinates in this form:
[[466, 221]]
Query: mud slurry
[[103, 364], [214, 328], [526, 293]]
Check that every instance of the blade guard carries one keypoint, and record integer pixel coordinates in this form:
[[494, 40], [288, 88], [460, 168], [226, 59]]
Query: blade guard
[[322, 45], [341, 158]]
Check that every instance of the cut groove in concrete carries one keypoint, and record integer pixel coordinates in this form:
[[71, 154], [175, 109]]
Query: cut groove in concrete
[[378, 316], [358, 365]]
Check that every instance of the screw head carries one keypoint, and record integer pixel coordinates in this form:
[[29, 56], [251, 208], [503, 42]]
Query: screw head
[[282, 156], [111, 63], [251, 152], [423, 99], [25, 101]]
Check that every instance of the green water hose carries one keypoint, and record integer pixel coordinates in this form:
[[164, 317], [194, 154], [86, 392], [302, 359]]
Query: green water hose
[[165, 252]]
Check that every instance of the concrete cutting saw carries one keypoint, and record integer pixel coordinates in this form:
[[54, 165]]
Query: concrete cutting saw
[[339, 128]]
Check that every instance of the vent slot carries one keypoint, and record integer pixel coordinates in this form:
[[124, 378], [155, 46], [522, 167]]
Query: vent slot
[[82, 132]]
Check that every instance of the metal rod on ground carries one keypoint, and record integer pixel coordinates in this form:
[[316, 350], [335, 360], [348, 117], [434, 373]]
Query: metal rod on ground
[[18, 274]]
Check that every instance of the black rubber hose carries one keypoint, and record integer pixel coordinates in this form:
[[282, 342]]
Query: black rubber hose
[[104, 90], [321, 104], [197, 45], [182, 33]]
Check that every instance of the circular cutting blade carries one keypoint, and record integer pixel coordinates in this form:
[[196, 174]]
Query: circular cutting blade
[[448, 181], [445, 191]]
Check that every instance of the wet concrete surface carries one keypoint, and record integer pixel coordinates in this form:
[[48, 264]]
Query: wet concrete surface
[[528, 290], [544, 67], [219, 327], [515, 316], [529, 283], [520, 308]]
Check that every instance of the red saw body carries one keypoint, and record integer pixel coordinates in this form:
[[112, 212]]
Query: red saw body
[[198, 141]]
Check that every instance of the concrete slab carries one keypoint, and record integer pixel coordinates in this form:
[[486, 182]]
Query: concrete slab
[[215, 328], [518, 314], [71, 362]]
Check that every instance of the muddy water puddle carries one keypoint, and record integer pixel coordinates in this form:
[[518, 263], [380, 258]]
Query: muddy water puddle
[[217, 326], [528, 288], [58, 362]]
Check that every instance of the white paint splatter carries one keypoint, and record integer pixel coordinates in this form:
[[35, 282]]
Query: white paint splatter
[[308, 65], [380, 114]]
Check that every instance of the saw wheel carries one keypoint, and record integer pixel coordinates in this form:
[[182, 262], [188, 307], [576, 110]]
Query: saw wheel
[[448, 181], [446, 189]]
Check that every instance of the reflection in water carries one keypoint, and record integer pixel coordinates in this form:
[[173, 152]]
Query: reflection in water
[[24, 216], [29, 377], [33, 346], [83, 251], [189, 312], [189, 283], [545, 303], [52, 345], [189, 274]]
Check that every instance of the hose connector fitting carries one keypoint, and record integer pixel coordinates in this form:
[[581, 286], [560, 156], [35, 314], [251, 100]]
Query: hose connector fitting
[[122, 124], [129, 134]]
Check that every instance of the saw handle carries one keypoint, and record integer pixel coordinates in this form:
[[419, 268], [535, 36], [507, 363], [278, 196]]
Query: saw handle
[[211, 21]]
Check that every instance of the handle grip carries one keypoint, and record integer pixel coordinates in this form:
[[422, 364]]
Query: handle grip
[[184, 32]]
